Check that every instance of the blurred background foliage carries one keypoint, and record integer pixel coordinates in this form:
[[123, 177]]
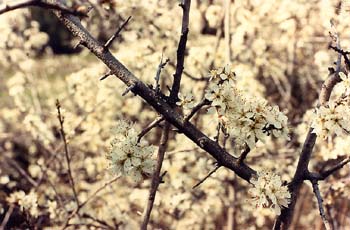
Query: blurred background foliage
[[279, 51]]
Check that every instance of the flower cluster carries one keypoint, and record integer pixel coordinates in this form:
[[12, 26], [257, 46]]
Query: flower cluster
[[269, 191], [28, 203], [128, 156], [246, 119], [332, 118]]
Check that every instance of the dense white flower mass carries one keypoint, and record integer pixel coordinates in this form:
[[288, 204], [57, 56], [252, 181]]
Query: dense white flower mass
[[245, 118], [128, 156], [333, 118], [269, 191]]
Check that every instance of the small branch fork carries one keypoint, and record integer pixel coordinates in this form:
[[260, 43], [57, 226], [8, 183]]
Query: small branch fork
[[302, 172], [17, 4], [66, 151], [195, 109], [150, 127], [116, 34]]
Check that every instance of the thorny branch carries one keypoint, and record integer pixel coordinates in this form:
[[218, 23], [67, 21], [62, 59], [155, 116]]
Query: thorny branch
[[165, 107], [17, 4]]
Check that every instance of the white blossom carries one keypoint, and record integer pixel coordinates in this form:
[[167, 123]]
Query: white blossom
[[268, 191], [129, 157]]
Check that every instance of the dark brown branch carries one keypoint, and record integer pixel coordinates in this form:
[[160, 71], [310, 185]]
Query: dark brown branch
[[116, 34], [66, 151], [156, 178], [325, 174], [13, 5], [344, 53], [190, 76], [302, 171], [320, 204], [180, 52], [149, 127], [206, 177], [244, 154], [195, 109], [155, 99]]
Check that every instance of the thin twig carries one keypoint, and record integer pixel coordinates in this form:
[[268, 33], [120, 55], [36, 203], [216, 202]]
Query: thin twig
[[207, 176], [344, 53], [195, 109], [332, 170], [190, 76], [21, 171], [17, 4], [159, 70], [97, 191], [180, 57], [156, 178], [320, 205], [7, 217], [218, 130], [149, 127], [115, 35], [80, 206], [227, 34], [244, 154], [66, 151], [325, 174]]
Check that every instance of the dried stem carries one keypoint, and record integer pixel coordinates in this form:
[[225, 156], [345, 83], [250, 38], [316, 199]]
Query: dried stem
[[66, 151]]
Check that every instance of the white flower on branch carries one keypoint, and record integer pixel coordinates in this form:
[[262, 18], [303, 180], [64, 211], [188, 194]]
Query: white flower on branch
[[332, 118], [186, 101], [247, 119], [269, 192], [128, 156]]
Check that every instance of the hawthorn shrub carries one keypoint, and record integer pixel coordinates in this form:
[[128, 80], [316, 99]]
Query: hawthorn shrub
[[239, 117]]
